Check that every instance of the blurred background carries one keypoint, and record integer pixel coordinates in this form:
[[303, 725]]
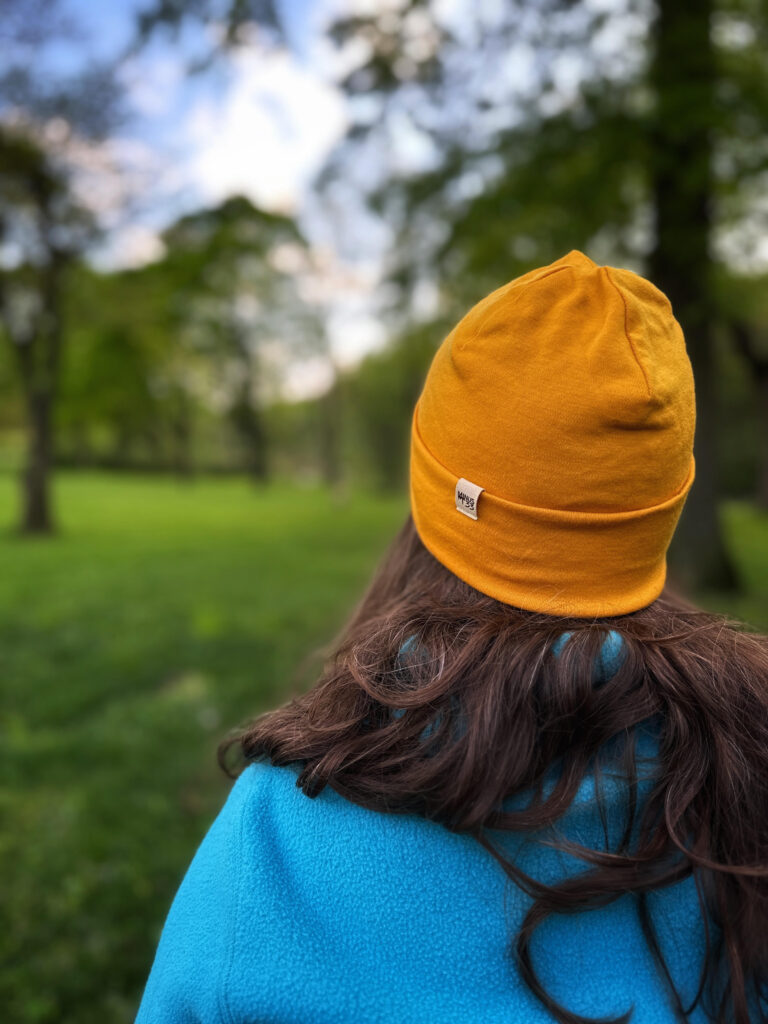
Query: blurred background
[[232, 235]]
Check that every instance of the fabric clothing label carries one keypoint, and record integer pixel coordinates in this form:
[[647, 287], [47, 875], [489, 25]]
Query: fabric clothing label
[[467, 497]]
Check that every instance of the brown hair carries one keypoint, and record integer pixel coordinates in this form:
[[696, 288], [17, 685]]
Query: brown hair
[[484, 675]]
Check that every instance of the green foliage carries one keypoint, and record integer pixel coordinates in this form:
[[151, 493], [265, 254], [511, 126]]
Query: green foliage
[[166, 613], [119, 391], [379, 398], [167, 364], [738, 454], [572, 181], [238, 19], [296, 438]]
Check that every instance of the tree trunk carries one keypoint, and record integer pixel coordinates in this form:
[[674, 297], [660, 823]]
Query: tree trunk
[[683, 77], [36, 503], [245, 414], [38, 358], [248, 422], [744, 338], [81, 446], [762, 474], [181, 434], [330, 434]]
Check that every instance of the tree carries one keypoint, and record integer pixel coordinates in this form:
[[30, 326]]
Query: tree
[[752, 343], [624, 153], [742, 298], [636, 133], [683, 78], [382, 392], [234, 275], [39, 217], [230, 23], [44, 228]]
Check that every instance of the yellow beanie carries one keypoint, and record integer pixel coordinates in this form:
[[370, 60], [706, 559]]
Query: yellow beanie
[[552, 443]]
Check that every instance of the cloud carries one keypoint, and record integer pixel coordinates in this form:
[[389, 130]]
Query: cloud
[[266, 136]]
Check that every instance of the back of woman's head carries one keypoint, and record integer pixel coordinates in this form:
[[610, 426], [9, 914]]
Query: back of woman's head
[[513, 641]]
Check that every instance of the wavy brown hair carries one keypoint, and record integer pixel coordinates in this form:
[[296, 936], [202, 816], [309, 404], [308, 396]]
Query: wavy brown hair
[[500, 710]]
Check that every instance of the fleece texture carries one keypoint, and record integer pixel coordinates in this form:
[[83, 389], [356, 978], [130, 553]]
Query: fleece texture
[[552, 443], [318, 911]]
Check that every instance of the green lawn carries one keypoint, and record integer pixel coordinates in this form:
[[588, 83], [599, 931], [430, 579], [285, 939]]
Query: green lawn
[[163, 614]]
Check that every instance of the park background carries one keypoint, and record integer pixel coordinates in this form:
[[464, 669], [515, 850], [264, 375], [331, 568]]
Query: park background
[[232, 235]]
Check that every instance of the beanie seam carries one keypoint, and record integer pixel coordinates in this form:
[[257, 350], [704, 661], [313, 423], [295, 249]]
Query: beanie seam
[[627, 334], [490, 311], [576, 515]]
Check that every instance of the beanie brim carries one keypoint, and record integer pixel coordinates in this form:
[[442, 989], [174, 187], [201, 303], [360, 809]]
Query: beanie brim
[[556, 561]]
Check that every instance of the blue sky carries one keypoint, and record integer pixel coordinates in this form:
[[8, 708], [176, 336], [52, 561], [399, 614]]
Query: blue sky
[[261, 122], [113, 26]]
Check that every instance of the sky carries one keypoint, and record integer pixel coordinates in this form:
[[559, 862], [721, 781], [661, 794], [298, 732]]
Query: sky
[[262, 123], [259, 123]]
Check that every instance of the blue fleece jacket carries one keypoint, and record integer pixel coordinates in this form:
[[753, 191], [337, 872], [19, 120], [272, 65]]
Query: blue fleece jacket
[[315, 911]]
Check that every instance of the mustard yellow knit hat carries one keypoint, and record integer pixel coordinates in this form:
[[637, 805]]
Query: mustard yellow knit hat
[[552, 443]]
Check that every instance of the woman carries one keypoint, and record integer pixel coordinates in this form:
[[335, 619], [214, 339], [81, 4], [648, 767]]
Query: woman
[[531, 783]]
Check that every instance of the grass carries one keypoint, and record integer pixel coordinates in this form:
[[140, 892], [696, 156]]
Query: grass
[[165, 613], [746, 532]]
